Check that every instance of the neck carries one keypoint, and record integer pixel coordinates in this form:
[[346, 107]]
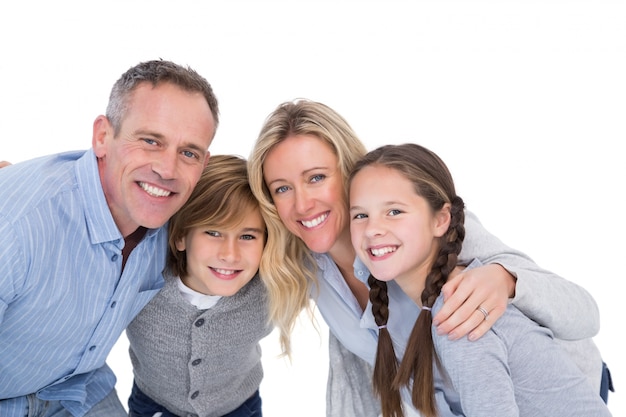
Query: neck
[[343, 254], [413, 287]]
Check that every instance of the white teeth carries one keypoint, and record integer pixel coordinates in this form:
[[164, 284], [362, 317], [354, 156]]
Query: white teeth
[[154, 191], [224, 271], [383, 251], [314, 222]]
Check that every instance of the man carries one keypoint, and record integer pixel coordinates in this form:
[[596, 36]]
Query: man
[[83, 239]]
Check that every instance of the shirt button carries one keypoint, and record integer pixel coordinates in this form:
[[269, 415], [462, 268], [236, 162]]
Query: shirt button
[[113, 304], [199, 322], [92, 348], [113, 258], [196, 362], [195, 395]]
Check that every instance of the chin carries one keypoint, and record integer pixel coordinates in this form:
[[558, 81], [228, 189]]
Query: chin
[[319, 248], [384, 276]]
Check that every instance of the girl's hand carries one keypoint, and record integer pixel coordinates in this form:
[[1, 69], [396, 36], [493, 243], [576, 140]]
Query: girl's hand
[[466, 293]]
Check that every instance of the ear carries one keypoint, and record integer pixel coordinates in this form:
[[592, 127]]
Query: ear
[[180, 244], [206, 158], [101, 130], [442, 220]]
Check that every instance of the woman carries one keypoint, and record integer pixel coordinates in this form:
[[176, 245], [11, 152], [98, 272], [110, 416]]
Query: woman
[[298, 170]]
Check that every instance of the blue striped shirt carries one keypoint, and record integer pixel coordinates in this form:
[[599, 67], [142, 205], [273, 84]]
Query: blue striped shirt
[[64, 300]]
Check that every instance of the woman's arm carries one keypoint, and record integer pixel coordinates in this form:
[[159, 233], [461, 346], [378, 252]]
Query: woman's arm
[[564, 307]]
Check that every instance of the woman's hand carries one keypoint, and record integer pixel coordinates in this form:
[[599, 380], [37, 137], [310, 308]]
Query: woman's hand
[[473, 300], [4, 164]]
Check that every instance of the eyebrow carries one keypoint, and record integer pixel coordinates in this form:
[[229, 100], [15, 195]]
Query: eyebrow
[[252, 230], [384, 204], [303, 173], [190, 145]]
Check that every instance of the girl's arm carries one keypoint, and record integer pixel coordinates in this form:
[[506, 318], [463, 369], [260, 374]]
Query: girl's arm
[[511, 276]]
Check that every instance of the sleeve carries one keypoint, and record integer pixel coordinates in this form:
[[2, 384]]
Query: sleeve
[[11, 266], [564, 307], [483, 383], [349, 388]]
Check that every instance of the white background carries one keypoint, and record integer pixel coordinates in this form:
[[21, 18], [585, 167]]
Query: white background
[[525, 101]]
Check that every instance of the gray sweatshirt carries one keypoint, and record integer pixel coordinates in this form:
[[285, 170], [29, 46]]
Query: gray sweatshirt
[[564, 307]]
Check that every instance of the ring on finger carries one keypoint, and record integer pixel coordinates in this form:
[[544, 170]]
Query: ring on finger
[[482, 310]]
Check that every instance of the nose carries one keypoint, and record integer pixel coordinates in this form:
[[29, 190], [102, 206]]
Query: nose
[[303, 202], [374, 228], [165, 164], [229, 251]]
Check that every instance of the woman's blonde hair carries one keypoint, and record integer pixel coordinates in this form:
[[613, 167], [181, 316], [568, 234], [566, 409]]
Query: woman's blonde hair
[[289, 270]]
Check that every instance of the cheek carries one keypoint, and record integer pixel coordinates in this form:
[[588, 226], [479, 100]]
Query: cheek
[[355, 236], [191, 176], [337, 192], [256, 258], [283, 207]]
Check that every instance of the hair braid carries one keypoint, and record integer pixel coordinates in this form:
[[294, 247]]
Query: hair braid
[[420, 349], [386, 365], [433, 182]]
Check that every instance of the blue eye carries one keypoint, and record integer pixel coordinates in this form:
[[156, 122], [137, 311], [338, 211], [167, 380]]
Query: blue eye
[[281, 189], [190, 154], [318, 178], [213, 233], [394, 212], [359, 216], [248, 237]]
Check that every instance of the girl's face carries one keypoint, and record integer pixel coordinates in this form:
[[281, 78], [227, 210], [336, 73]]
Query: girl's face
[[393, 229], [220, 261], [303, 177]]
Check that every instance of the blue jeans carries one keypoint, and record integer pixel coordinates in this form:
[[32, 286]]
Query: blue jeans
[[140, 405], [607, 383], [110, 406]]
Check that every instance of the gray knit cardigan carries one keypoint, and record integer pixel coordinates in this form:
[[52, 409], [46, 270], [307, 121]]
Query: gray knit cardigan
[[202, 362]]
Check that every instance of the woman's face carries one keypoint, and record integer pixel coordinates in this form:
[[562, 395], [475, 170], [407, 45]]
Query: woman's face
[[303, 176]]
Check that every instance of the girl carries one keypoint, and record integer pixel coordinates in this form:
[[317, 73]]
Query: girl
[[407, 225]]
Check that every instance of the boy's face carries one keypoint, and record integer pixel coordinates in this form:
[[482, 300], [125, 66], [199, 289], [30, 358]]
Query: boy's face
[[221, 261]]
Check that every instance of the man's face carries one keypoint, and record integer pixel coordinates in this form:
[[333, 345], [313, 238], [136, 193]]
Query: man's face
[[149, 170]]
